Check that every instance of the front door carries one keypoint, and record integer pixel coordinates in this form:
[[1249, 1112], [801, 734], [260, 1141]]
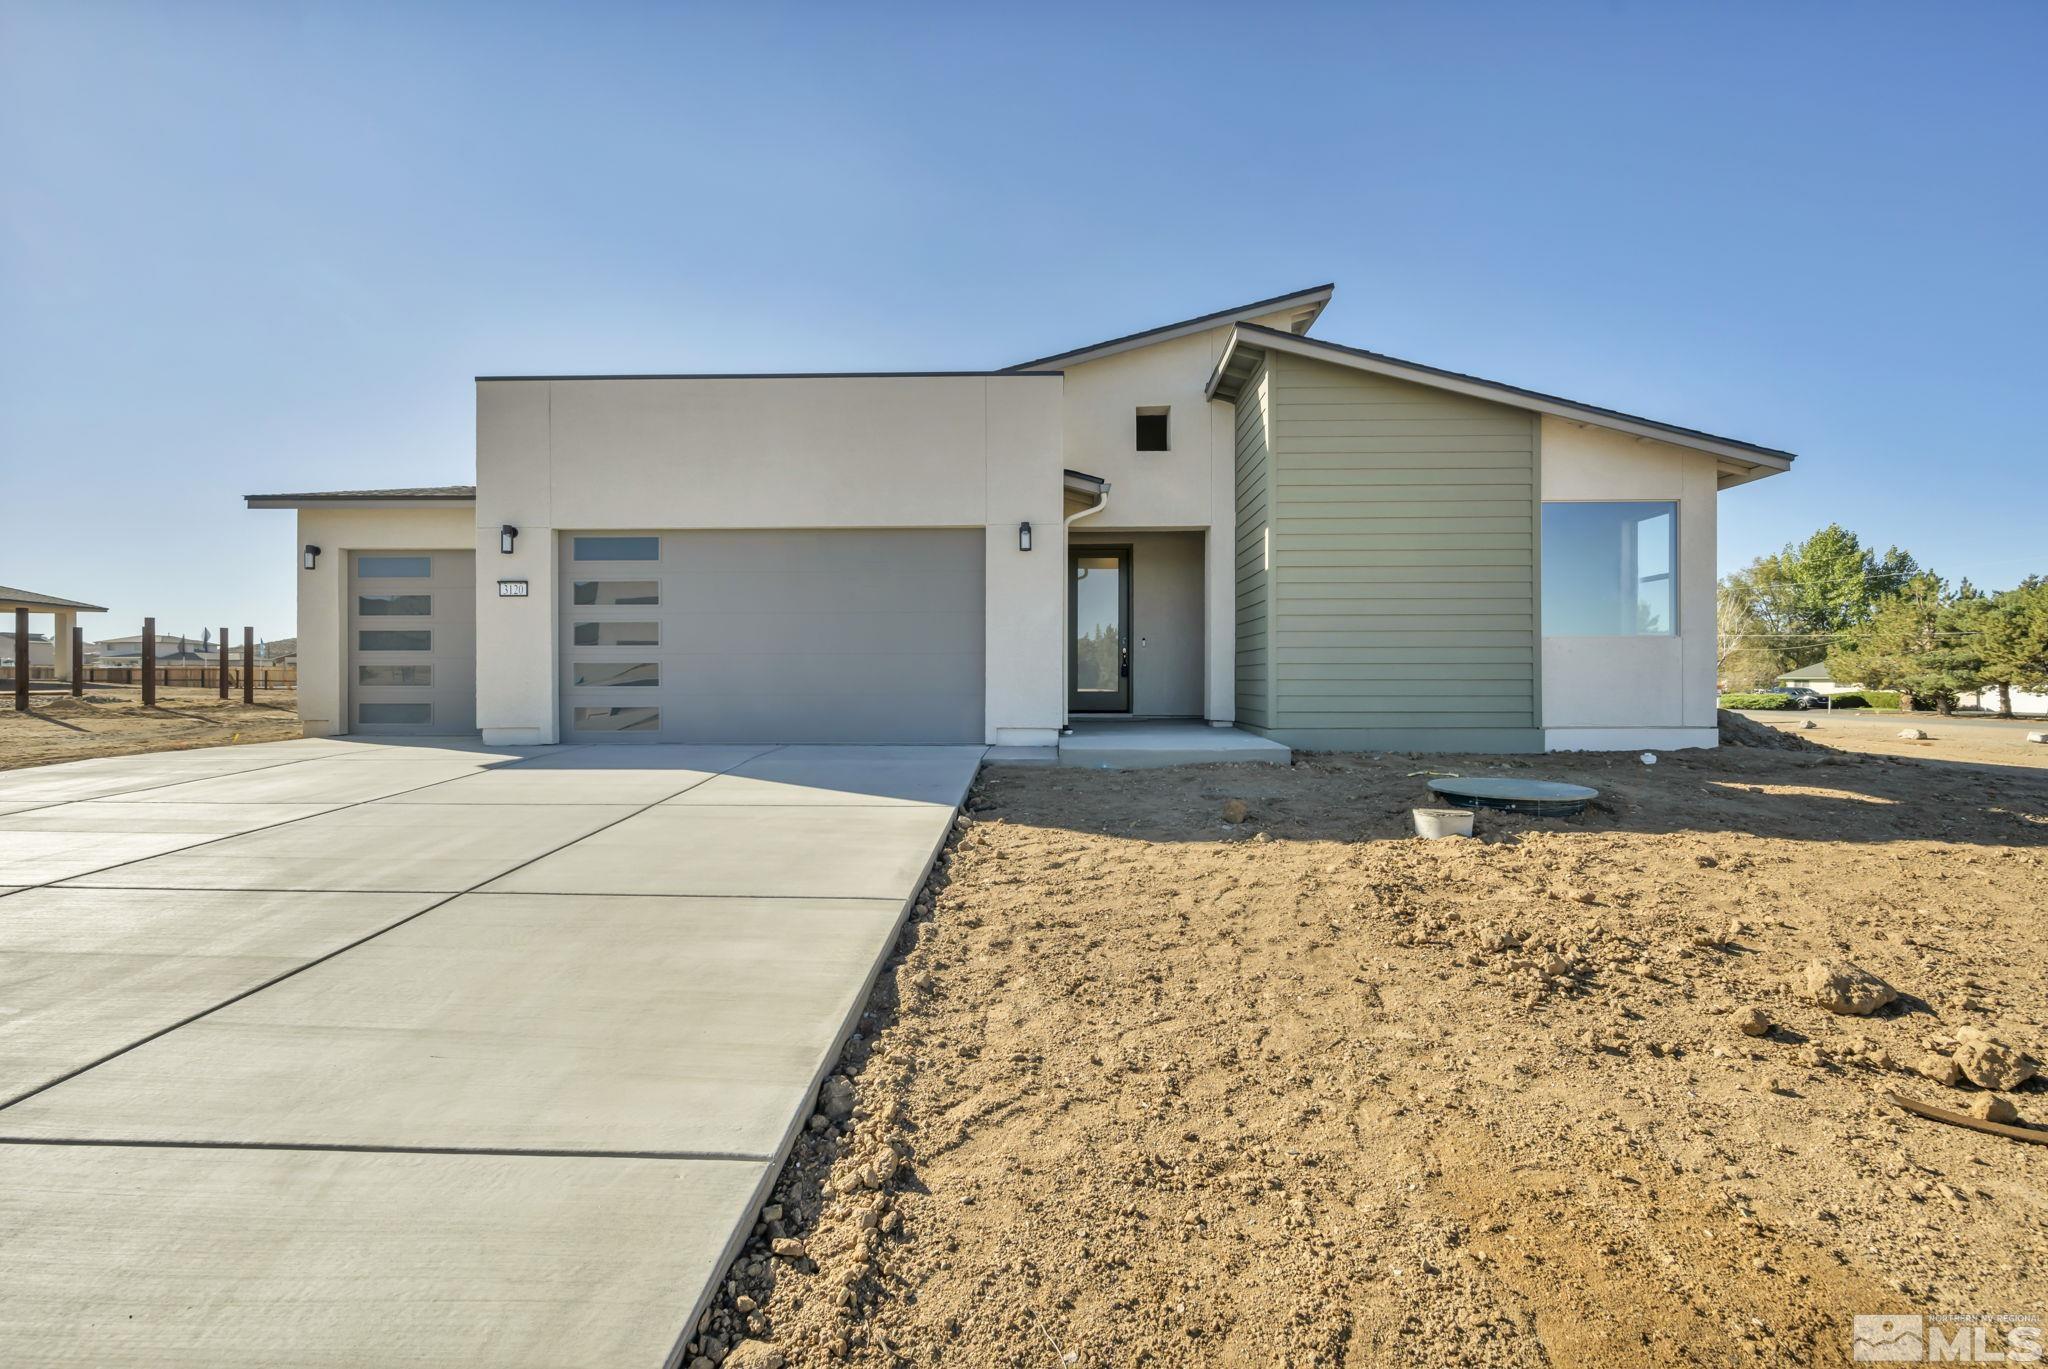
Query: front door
[[1099, 609]]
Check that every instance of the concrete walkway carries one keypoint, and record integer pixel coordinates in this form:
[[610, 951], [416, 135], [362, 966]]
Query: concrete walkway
[[337, 1053]]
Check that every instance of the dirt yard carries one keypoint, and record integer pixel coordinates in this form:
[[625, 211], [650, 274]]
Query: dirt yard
[[1151, 1087], [112, 722]]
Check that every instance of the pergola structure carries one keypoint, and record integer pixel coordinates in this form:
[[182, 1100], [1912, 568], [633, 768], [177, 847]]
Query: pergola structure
[[18, 604]]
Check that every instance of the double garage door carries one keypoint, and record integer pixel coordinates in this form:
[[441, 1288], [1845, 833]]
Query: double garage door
[[412, 642], [867, 636]]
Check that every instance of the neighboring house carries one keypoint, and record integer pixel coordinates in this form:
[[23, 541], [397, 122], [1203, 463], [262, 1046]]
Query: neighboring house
[[171, 649], [41, 650], [1218, 519], [2025, 703], [1816, 678]]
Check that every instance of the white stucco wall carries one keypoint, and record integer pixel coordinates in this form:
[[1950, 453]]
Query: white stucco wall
[[764, 452], [1604, 693], [1191, 486], [323, 591]]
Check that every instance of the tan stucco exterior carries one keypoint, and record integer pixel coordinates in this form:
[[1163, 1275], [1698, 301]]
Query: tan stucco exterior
[[323, 591]]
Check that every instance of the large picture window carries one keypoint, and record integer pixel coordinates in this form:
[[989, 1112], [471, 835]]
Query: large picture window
[[1610, 570]]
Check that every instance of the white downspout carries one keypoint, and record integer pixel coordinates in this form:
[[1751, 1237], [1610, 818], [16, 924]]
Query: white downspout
[[1067, 653]]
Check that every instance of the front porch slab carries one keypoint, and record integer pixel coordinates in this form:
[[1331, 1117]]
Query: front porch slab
[[1106, 745]]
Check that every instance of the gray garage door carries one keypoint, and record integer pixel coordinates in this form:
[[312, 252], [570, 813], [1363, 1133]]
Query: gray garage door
[[412, 642], [858, 637]]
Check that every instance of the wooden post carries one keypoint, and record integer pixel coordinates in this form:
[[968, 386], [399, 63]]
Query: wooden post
[[21, 654], [248, 661], [77, 661], [224, 663], [149, 663]]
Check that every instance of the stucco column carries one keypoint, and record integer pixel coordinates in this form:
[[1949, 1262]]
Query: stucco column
[[60, 641]]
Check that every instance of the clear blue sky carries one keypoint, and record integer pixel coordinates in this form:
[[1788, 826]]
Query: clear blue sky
[[266, 246]]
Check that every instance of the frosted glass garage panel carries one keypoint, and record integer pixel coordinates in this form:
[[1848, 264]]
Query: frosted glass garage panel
[[1610, 569], [615, 548], [395, 605], [616, 634], [394, 567], [628, 592], [402, 676], [612, 674], [395, 641]]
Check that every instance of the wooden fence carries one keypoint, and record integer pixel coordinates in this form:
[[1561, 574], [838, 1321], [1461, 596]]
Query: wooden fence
[[192, 676]]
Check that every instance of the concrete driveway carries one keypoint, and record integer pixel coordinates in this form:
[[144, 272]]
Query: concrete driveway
[[339, 1053]]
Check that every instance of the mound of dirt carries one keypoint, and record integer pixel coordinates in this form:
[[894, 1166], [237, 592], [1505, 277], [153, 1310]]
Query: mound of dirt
[[1737, 730]]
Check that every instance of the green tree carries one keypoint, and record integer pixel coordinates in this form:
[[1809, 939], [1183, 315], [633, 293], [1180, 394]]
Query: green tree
[[1786, 609], [2012, 639], [1922, 641]]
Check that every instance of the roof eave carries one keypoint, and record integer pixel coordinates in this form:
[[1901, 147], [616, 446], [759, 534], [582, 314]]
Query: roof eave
[[1312, 300], [1742, 461], [325, 501]]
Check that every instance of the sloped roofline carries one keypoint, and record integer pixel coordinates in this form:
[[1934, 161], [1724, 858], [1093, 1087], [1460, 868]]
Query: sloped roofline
[[1313, 300], [34, 602], [423, 494], [1230, 371]]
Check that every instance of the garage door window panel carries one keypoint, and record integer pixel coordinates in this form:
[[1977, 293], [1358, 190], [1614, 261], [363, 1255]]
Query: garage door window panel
[[386, 640], [615, 548], [396, 676], [617, 674], [395, 605], [600, 593], [617, 634], [394, 567]]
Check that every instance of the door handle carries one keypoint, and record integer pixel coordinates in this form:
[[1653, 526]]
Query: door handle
[[1123, 660]]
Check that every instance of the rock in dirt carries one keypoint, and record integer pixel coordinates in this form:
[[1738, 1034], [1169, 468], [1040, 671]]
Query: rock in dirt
[[1236, 810], [754, 1354], [835, 1099], [1753, 1022], [788, 1247], [1841, 987], [1991, 1108], [1912, 734], [1939, 1068], [1991, 1062]]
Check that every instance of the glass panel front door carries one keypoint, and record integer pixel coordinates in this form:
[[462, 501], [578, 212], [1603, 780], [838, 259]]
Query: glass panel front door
[[1099, 605]]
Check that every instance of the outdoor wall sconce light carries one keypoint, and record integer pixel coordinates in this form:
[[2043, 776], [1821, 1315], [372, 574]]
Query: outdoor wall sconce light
[[309, 556], [506, 535], [1023, 537]]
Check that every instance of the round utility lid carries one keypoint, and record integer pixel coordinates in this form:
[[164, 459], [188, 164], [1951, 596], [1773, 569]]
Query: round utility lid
[[1546, 798]]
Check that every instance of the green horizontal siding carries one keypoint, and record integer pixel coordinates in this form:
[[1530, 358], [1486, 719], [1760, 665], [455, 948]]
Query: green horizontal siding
[[1399, 609], [1254, 589]]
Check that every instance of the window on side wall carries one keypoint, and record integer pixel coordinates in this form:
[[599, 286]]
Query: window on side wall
[[1152, 428], [1610, 570]]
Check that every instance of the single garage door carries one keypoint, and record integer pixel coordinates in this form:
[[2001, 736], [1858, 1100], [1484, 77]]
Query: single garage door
[[412, 642], [772, 636]]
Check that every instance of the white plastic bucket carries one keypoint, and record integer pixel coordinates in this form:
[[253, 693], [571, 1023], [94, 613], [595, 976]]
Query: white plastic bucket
[[1442, 822]]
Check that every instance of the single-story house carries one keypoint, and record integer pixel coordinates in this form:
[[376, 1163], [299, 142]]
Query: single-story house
[[1816, 678], [1220, 519]]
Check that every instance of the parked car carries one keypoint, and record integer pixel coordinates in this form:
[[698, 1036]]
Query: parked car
[[1800, 696]]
